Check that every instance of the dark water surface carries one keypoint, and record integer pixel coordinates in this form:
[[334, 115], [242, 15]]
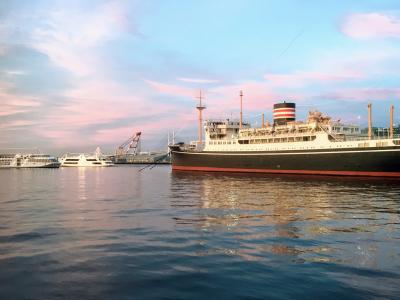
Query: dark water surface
[[117, 233]]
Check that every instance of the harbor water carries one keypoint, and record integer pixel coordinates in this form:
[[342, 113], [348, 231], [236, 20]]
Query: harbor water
[[122, 233]]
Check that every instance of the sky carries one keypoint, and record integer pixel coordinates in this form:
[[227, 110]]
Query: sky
[[75, 75]]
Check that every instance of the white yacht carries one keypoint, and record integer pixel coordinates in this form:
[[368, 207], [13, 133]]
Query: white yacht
[[28, 161], [96, 159]]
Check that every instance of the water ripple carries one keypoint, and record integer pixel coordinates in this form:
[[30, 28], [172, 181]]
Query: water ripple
[[119, 233]]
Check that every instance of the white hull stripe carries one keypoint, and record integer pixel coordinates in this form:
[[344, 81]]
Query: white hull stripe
[[284, 113], [284, 109], [285, 153]]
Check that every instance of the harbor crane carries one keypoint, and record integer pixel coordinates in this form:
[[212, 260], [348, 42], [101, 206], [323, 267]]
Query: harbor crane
[[130, 146]]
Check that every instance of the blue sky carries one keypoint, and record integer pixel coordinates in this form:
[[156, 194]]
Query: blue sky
[[74, 74]]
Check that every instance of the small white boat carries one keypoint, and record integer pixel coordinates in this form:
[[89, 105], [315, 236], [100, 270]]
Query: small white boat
[[96, 159], [28, 161]]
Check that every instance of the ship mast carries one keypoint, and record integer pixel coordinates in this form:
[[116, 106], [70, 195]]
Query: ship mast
[[262, 121], [241, 109], [391, 122], [369, 121], [200, 108]]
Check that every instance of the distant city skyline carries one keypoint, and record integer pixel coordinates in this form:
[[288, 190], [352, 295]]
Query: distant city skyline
[[79, 74]]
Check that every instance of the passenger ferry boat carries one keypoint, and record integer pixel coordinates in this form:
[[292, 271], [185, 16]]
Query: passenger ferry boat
[[28, 161], [95, 159], [318, 146]]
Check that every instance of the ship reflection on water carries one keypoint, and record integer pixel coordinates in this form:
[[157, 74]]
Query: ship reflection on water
[[305, 218], [76, 233]]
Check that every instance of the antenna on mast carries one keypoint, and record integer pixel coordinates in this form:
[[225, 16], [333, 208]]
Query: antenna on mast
[[200, 108]]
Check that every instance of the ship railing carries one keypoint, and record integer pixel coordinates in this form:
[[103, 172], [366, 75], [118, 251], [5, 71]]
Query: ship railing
[[277, 134], [376, 137], [84, 154]]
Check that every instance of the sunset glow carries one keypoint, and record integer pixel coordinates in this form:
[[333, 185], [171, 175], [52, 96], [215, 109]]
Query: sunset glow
[[77, 74]]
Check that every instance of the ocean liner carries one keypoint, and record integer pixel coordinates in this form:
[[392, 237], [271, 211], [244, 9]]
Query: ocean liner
[[319, 145]]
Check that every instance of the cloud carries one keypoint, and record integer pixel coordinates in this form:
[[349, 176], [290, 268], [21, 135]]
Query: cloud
[[12, 104], [9, 111], [150, 129], [97, 112], [3, 35], [13, 73], [197, 80], [332, 76], [16, 124], [362, 94], [302, 78], [171, 89], [71, 37], [371, 25], [3, 50]]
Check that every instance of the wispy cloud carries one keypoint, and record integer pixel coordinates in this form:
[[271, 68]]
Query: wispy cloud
[[302, 78], [79, 73], [337, 76], [3, 49], [362, 94], [171, 89], [12, 104], [69, 37], [198, 80], [16, 124], [372, 25], [94, 113], [13, 73]]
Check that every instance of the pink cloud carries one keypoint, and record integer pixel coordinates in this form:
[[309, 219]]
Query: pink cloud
[[106, 103], [221, 98], [371, 25], [71, 37], [94, 103], [170, 89], [61, 137], [9, 110], [15, 124], [363, 94], [301, 78], [12, 104], [327, 74], [150, 129], [198, 80], [3, 50], [257, 94]]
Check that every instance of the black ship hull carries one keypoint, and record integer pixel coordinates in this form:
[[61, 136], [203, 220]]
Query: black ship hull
[[351, 162]]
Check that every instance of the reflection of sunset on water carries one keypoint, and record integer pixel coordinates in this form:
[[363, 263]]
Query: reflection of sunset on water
[[95, 231], [301, 217]]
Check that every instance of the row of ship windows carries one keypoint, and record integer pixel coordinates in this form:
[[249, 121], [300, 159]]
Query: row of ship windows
[[299, 148], [77, 159], [351, 129], [279, 140], [267, 141], [30, 160], [222, 142], [75, 163], [40, 160], [378, 144]]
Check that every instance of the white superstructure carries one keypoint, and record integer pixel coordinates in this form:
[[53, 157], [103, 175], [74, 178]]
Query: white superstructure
[[28, 161], [95, 159], [319, 132]]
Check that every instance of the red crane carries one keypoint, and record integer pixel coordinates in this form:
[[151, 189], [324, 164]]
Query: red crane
[[130, 146]]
